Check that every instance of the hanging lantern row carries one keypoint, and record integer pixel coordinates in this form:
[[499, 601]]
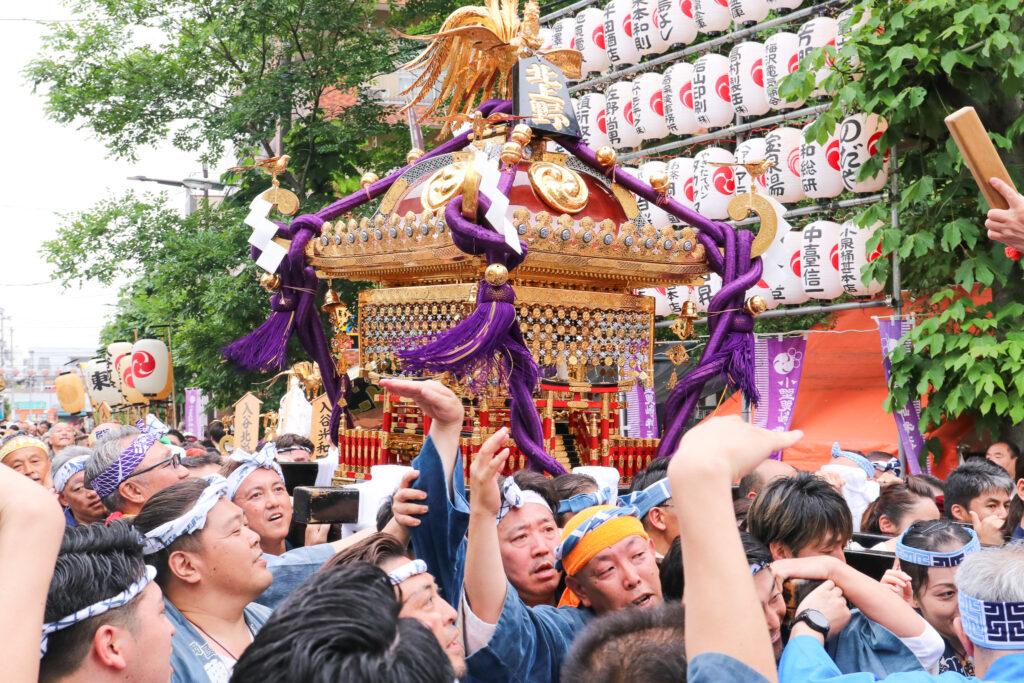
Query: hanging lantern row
[[800, 169], [822, 261], [626, 31], [131, 374]]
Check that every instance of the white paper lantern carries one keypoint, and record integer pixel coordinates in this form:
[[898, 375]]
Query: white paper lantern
[[678, 17], [763, 290], [853, 256], [845, 26], [131, 394], [782, 146], [711, 16], [820, 177], [703, 294], [593, 124], [589, 36], [818, 32], [714, 186], [819, 260], [619, 117], [150, 366], [115, 350], [563, 34], [618, 33], [649, 107], [748, 12], [780, 60], [546, 38], [677, 98], [99, 382], [858, 141], [782, 270], [746, 79], [656, 216], [650, 31], [783, 5], [752, 149], [711, 102], [680, 178]]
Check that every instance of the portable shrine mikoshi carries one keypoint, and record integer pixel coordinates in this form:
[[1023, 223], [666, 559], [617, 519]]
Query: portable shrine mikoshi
[[506, 262]]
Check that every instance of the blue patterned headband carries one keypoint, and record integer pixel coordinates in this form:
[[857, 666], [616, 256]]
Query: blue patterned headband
[[407, 571], [122, 598], [929, 558], [109, 479], [582, 501], [861, 461], [651, 497], [68, 470], [266, 458], [755, 567], [515, 497], [992, 624], [893, 465], [572, 540], [193, 520]]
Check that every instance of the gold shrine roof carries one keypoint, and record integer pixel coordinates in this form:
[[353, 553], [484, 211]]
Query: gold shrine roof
[[604, 243]]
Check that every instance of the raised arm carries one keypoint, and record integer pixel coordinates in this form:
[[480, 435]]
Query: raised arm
[[31, 529], [723, 613], [485, 582]]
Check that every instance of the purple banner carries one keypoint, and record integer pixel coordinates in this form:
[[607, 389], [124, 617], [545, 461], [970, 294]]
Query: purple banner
[[908, 418], [194, 412], [778, 364], [641, 409]]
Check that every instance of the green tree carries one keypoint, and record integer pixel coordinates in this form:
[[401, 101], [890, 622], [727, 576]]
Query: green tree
[[915, 63]]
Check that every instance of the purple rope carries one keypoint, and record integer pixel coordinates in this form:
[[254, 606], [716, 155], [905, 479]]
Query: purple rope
[[730, 348]]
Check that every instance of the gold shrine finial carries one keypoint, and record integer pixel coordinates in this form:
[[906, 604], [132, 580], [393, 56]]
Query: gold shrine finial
[[475, 52]]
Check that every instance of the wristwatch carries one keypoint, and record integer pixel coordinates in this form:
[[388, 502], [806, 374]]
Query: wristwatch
[[815, 619]]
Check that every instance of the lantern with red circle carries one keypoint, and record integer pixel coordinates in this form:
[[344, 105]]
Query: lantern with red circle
[[619, 117], [656, 216], [649, 107], [680, 178], [678, 17], [563, 34], [131, 394], [711, 103], [845, 26], [782, 146], [99, 382], [591, 115], [546, 38], [115, 351], [782, 270], [854, 255], [746, 79], [150, 366], [859, 136], [618, 33], [762, 289], [818, 32], [751, 149], [714, 185], [748, 12], [650, 30], [783, 5], [780, 60], [677, 98], [589, 33], [819, 260], [711, 16], [820, 177]]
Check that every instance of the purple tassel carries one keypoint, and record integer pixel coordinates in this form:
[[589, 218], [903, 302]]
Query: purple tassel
[[264, 349]]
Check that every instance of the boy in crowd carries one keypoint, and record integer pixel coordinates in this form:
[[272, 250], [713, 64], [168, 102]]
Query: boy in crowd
[[978, 492]]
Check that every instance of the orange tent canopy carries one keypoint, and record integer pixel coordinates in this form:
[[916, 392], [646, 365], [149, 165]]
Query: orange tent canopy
[[842, 389]]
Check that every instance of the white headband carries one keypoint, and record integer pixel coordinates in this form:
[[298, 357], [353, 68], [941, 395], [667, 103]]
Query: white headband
[[265, 457], [68, 470], [407, 571], [193, 520], [122, 598], [515, 497]]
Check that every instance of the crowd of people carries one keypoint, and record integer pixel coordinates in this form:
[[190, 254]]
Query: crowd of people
[[158, 558]]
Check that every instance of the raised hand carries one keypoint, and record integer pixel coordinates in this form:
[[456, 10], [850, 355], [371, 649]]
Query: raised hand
[[437, 401], [899, 582], [989, 530], [1007, 225], [828, 599], [483, 473], [740, 445], [407, 512]]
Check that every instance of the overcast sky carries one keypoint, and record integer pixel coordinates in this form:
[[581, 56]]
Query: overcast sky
[[50, 169]]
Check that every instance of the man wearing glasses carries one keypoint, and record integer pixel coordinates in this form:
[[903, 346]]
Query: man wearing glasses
[[128, 466]]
